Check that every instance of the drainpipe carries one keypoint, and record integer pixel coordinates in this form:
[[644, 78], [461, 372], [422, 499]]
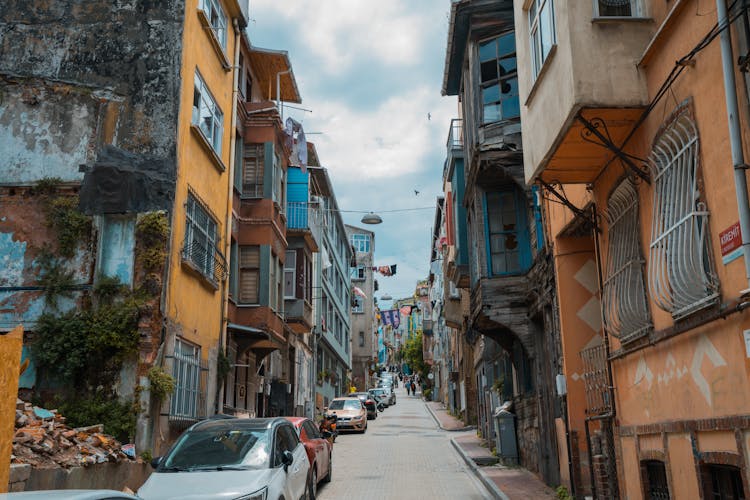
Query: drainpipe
[[735, 134], [228, 212]]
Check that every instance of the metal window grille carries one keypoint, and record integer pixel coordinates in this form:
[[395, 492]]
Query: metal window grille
[[626, 314], [722, 482], [188, 398], [657, 487], [217, 18], [206, 114], [617, 8], [681, 276], [200, 247], [541, 32], [595, 382]]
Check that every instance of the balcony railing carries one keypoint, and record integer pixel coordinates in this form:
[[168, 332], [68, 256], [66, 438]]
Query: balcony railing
[[303, 215], [455, 135], [208, 261]]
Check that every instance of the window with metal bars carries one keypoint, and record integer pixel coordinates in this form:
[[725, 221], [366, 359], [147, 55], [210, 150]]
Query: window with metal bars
[[681, 270], [200, 239], [722, 482], [253, 171], [617, 8], [186, 401], [249, 271], [626, 314], [654, 477]]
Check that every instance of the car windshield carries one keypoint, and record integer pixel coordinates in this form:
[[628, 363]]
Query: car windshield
[[345, 404], [377, 392], [216, 449]]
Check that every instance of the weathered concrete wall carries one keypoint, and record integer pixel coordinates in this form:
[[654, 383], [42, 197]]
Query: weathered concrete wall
[[76, 75], [109, 476]]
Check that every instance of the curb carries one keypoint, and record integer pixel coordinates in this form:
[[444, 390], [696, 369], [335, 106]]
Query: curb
[[488, 483], [437, 421]]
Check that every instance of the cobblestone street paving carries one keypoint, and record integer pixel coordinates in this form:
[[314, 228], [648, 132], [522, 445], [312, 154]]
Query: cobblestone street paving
[[403, 454]]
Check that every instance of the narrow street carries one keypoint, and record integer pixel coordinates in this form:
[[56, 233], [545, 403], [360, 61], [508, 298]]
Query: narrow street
[[403, 454]]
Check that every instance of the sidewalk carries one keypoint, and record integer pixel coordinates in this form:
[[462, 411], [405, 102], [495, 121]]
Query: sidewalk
[[505, 483]]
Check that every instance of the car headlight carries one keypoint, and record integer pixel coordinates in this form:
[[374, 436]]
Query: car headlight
[[258, 495]]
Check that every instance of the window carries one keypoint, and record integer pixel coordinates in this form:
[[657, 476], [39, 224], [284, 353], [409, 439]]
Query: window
[[681, 276], [357, 273], [617, 8], [722, 482], [290, 274], [279, 287], [506, 228], [497, 59], [308, 279], [358, 304], [186, 370], [361, 243], [253, 171], [654, 476], [361, 339], [249, 267], [216, 18], [626, 314], [200, 238], [541, 31], [279, 181], [206, 114]]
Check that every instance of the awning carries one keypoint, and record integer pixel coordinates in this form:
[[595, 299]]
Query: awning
[[254, 339], [266, 64]]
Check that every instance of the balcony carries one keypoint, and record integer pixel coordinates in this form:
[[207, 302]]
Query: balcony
[[299, 315], [574, 115], [304, 219]]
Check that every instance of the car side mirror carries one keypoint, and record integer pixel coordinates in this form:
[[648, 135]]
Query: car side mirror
[[287, 459], [155, 462]]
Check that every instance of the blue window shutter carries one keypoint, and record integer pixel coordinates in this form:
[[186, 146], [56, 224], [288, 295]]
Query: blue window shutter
[[265, 276], [268, 170], [488, 248], [524, 238]]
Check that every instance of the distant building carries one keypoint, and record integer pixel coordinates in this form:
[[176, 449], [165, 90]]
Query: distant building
[[363, 324]]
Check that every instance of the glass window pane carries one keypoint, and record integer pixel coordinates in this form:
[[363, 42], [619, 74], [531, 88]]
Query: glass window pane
[[491, 113], [507, 65], [506, 44], [498, 264], [489, 70], [487, 51], [497, 243], [512, 262], [491, 94], [509, 87], [546, 28], [511, 108]]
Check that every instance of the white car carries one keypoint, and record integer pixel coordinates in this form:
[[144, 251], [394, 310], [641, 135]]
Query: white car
[[67, 495], [232, 459]]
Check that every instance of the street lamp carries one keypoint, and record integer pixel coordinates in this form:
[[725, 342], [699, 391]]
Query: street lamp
[[371, 218], [386, 297]]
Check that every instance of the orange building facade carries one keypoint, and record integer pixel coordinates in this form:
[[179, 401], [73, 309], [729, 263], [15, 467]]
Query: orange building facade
[[633, 152]]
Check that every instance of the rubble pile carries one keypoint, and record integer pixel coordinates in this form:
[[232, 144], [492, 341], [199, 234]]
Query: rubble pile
[[43, 440]]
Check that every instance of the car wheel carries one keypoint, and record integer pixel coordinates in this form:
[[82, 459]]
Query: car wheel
[[313, 483], [327, 479]]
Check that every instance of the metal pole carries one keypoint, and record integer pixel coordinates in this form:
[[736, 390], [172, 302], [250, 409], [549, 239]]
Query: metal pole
[[735, 133]]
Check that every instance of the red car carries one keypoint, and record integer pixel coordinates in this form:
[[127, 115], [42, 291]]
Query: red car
[[318, 451]]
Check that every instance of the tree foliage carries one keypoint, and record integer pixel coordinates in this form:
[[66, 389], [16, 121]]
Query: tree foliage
[[412, 355]]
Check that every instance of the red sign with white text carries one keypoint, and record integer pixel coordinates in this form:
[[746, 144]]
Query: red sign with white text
[[730, 239]]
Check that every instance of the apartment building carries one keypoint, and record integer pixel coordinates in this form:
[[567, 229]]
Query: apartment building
[[638, 164], [363, 324], [511, 325], [120, 175]]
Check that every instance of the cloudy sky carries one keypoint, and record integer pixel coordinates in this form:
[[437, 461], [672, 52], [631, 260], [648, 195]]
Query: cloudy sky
[[371, 72]]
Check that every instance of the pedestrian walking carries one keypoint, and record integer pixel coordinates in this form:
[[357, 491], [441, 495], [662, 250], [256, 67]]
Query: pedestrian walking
[[408, 387], [413, 388]]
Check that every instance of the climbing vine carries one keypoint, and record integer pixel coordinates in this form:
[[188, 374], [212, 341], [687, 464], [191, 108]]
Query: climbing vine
[[62, 216], [161, 383]]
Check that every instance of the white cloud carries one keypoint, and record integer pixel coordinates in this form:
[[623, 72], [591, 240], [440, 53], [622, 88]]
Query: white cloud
[[338, 32], [392, 140]]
